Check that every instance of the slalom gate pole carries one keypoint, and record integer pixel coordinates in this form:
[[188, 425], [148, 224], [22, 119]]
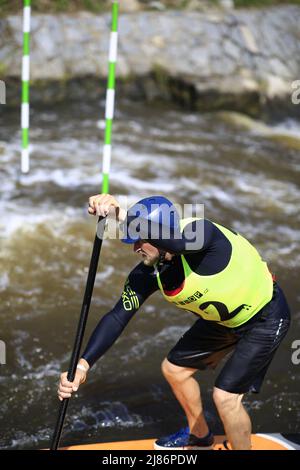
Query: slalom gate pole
[[25, 163], [110, 96]]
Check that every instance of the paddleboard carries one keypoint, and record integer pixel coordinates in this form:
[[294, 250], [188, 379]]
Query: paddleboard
[[259, 442]]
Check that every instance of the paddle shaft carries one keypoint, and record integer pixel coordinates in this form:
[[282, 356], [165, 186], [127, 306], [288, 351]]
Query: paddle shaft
[[80, 329], [109, 114]]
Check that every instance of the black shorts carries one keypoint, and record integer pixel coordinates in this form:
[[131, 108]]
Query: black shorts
[[253, 344]]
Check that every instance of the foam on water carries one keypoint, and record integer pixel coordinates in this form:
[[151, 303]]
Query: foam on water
[[246, 180], [17, 218], [289, 127], [145, 345]]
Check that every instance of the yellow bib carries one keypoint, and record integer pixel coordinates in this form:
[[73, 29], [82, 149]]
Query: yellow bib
[[232, 296]]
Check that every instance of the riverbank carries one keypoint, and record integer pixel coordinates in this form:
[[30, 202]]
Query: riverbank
[[94, 6], [242, 60]]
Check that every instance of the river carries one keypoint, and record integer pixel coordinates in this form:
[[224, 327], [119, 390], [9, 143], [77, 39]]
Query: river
[[245, 179]]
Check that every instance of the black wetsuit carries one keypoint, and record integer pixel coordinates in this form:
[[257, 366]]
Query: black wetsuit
[[210, 259], [207, 342]]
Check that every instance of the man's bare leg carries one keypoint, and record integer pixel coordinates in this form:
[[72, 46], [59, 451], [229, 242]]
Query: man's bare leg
[[187, 392], [235, 419]]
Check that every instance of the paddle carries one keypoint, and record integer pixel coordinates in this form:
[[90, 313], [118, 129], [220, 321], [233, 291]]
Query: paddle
[[109, 114], [81, 328]]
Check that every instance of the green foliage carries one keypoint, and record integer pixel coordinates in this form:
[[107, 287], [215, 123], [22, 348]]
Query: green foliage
[[3, 68], [98, 6], [56, 6], [263, 3]]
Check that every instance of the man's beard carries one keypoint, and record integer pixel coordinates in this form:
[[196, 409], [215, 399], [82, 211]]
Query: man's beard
[[150, 261]]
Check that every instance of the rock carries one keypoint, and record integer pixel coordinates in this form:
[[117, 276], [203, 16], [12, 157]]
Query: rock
[[279, 69], [157, 6], [227, 4], [158, 41], [2, 93], [249, 39], [276, 86], [218, 59], [231, 49], [129, 6], [196, 5]]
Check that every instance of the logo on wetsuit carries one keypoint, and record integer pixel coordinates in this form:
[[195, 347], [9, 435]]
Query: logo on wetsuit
[[129, 298], [190, 299]]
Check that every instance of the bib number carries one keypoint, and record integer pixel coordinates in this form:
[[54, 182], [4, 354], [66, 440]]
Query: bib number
[[222, 309]]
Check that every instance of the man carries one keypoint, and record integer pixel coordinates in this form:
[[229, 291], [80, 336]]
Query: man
[[225, 283]]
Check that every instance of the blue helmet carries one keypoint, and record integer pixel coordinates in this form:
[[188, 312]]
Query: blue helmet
[[152, 218]]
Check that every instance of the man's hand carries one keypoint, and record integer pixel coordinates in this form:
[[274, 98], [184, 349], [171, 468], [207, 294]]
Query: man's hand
[[105, 204], [66, 388]]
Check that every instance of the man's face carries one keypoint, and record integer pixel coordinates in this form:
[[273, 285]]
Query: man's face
[[149, 253]]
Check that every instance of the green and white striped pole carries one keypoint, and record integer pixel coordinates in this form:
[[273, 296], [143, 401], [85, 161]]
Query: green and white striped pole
[[110, 96], [25, 87]]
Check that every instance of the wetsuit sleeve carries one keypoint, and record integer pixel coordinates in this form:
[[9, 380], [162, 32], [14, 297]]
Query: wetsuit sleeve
[[197, 236], [141, 283]]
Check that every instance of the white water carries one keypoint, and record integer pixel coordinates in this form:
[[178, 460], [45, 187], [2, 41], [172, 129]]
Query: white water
[[246, 181]]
